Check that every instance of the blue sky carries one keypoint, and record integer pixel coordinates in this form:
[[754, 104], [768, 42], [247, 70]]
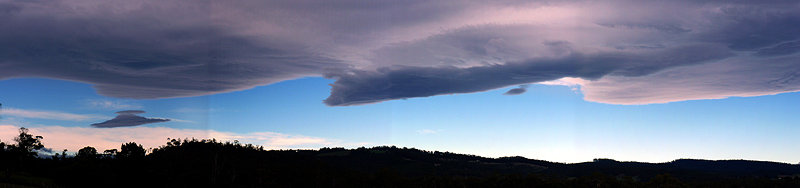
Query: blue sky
[[549, 122]]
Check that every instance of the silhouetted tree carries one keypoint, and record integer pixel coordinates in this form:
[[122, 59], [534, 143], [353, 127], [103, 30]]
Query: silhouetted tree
[[3, 150], [109, 153], [209, 163], [87, 152], [131, 150], [61, 156], [27, 144]]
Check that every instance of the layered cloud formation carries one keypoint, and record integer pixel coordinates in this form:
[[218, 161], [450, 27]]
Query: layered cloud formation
[[128, 118], [620, 52]]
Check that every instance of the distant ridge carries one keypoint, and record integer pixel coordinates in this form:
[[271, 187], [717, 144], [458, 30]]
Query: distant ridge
[[203, 163]]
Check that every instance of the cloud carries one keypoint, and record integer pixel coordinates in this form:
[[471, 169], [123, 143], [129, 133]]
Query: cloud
[[516, 91], [199, 110], [130, 112], [111, 104], [707, 81], [74, 138], [428, 131], [128, 118], [406, 82], [385, 50], [135, 50], [50, 115]]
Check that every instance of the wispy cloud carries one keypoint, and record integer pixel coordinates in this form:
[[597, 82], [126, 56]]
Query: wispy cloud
[[198, 110], [111, 104], [175, 120], [571, 82], [74, 138], [53, 115], [428, 131]]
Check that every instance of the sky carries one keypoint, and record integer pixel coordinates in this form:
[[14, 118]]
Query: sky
[[565, 81]]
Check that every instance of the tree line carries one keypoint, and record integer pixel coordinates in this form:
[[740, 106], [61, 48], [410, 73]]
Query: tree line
[[211, 163], [27, 147]]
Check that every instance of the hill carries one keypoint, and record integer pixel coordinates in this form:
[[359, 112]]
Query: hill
[[203, 163]]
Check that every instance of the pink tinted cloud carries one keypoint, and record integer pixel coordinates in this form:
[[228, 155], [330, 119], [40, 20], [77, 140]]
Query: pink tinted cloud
[[38, 114], [716, 80], [74, 138]]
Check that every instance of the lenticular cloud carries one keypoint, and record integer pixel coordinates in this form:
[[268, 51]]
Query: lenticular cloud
[[625, 52], [128, 118]]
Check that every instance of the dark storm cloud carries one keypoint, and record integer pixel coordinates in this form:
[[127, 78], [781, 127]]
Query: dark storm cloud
[[128, 118], [384, 50]]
